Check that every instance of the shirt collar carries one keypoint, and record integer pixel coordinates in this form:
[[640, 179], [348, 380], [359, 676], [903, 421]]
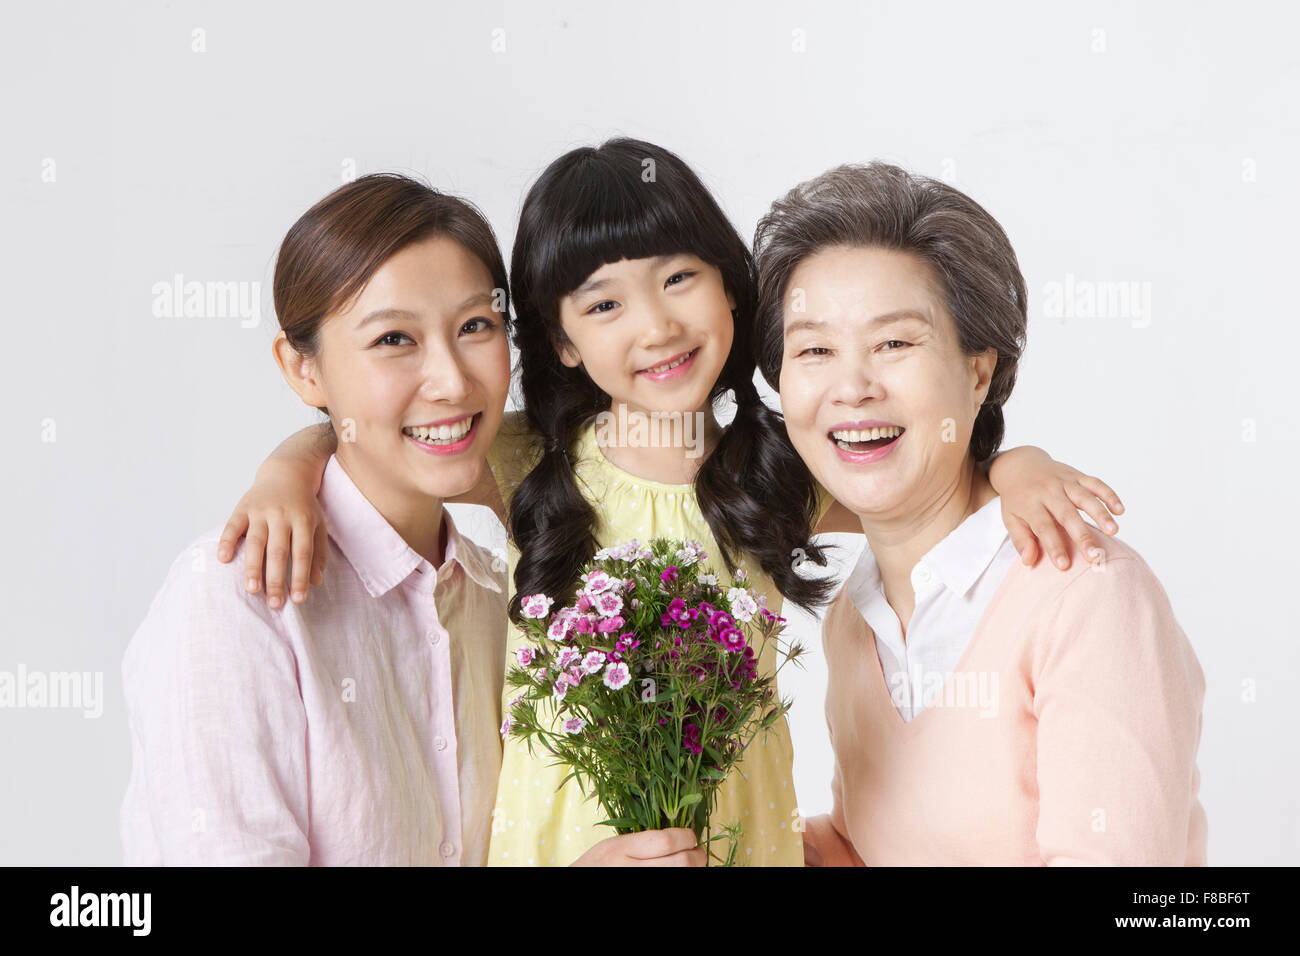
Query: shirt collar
[[959, 559], [379, 555]]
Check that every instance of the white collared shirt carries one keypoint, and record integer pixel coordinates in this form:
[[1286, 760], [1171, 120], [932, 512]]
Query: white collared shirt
[[953, 583]]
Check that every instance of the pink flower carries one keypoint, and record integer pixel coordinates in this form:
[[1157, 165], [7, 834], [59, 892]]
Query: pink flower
[[597, 581], [561, 686], [562, 624], [608, 604], [567, 656], [536, 606], [609, 625], [669, 574], [574, 725], [616, 676], [593, 662], [524, 655], [584, 603], [507, 725]]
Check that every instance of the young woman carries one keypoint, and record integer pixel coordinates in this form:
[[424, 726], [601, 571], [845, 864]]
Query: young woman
[[634, 297], [981, 712], [359, 729]]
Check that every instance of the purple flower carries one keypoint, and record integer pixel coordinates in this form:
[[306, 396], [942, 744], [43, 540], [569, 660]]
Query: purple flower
[[678, 613], [691, 738], [731, 639]]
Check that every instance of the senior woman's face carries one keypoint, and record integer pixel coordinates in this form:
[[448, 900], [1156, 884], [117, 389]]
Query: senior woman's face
[[879, 399]]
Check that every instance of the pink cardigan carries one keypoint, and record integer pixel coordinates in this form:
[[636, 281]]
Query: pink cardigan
[[1066, 735]]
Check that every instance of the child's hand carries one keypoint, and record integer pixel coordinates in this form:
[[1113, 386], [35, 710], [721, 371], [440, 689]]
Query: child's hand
[[672, 847], [1041, 501], [280, 517]]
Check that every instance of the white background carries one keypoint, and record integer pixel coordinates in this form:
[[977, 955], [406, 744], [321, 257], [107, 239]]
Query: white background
[[1155, 145]]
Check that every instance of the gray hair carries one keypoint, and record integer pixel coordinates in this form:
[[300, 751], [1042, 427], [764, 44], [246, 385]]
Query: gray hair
[[883, 205]]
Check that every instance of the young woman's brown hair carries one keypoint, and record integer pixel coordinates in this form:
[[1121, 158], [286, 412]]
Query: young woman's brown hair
[[332, 251]]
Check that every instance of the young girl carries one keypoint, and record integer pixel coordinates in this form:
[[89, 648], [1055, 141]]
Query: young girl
[[359, 729], [635, 296]]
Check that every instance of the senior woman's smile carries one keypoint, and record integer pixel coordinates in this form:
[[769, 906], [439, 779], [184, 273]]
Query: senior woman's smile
[[879, 397]]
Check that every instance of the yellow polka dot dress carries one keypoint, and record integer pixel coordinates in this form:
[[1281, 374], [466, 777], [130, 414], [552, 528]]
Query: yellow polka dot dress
[[534, 824]]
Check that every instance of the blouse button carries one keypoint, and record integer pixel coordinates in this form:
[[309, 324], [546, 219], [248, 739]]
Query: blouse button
[[440, 743]]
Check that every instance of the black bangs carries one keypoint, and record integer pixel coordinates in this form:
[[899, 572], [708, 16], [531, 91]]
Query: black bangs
[[626, 200]]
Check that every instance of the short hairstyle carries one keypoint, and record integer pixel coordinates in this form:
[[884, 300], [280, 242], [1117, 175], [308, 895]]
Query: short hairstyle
[[883, 205]]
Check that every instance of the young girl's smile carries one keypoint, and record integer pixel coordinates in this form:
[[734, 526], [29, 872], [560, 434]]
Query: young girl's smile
[[652, 333]]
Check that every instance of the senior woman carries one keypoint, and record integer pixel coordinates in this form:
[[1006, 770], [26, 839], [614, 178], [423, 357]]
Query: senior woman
[[981, 711]]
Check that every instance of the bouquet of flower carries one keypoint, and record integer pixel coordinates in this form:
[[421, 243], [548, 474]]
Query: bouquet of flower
[[647, 686]]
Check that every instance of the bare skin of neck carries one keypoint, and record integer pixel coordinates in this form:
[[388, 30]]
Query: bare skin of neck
[[672, 454], [898, 543]]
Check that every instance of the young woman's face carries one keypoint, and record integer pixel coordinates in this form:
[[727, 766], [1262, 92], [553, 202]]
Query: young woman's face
[[415, 371], [632, 319], [874, 346]]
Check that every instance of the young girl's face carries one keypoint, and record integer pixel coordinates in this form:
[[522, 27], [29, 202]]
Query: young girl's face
[[653, 334], [415, 372]]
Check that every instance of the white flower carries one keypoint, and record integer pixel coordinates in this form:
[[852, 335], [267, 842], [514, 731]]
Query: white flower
[[743, 605], [593, 662], [616, 675], [536, 606], [566, 657], [709, 579], [524, 655]]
